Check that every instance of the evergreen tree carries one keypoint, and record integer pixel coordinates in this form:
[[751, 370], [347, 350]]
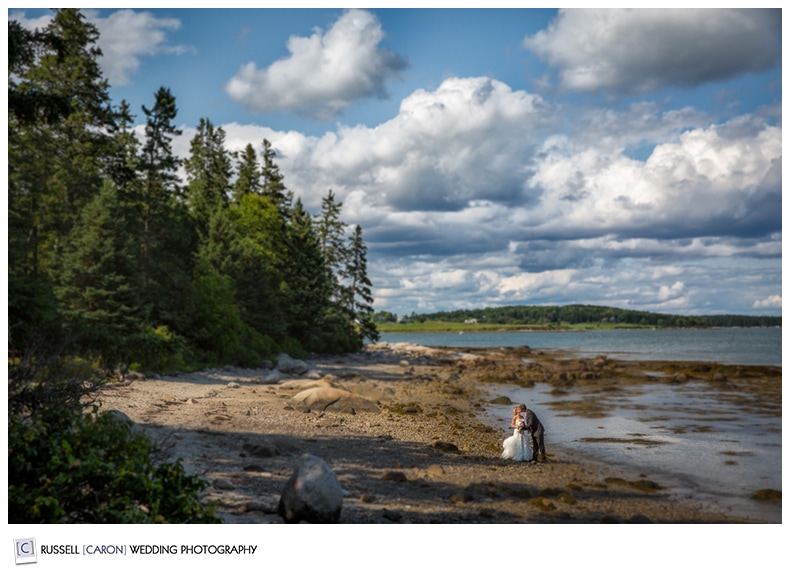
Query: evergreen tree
[[359, 296], [58, 143], [273, 186], [306, 288], [123, 163], [259, 255], [29, 104], [58, 157], [165, 233], [248, 180], [97, 290], [331, 235], [209, 171]]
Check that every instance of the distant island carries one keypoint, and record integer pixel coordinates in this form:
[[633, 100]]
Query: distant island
[[553, 317]]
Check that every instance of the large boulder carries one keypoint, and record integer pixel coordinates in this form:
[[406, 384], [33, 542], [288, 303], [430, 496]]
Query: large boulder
[[332, 399], [287, 364], [312, 494]]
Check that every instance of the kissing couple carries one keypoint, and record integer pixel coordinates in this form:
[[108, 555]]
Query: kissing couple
[[517, 447]]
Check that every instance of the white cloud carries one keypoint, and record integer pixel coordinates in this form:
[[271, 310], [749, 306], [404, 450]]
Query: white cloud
[[475, 195], [771, 302], [723, 179], [671, 291], [640, 50], [324, 73], [124, 37]]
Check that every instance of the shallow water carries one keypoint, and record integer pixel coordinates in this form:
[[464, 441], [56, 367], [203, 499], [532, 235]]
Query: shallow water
[[713, 452]]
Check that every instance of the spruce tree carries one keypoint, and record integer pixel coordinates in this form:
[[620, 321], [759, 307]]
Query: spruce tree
[[273, 186], [58, 158], [305, 286], [331, 235], [248, 180], [209, 171], [98, 289], [359, 296], [164, 230]]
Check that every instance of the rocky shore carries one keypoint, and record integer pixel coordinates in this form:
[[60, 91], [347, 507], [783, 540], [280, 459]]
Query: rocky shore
[[403, 430]]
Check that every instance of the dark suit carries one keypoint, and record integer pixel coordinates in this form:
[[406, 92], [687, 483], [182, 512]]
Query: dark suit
[[535, 428]]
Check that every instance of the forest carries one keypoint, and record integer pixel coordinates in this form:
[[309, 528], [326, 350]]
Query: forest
[[124, 259], [587, 314], [113, 258]]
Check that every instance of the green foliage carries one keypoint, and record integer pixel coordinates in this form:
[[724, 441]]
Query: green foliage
[[65, 466], [69, 464], [220, 334], [107, 252], [158, 349]]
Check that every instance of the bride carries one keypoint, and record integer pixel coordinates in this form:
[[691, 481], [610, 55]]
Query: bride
[[516, 447]]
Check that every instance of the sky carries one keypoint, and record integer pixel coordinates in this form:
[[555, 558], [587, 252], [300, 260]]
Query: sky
[[630, 158]]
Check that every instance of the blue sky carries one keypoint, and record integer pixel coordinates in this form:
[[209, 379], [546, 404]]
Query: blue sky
[[503, 156]]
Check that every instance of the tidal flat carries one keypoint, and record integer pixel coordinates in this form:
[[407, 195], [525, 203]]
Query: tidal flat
[[713, 429]]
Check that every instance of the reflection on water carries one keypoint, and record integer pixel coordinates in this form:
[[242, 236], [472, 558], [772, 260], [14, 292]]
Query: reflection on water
[[716, 452]]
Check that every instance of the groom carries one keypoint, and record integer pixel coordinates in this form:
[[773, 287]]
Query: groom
[[535, 428]]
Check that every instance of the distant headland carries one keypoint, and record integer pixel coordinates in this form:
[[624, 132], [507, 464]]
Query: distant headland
[[553, 317]]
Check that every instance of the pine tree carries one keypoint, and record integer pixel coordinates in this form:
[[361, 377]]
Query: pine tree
[[331, 235], [123, 163], [165, 233], [273, 186], [98, 291], [359, 298], [58, 157], [59, 123], [209, 170], [305, 286], [248, 180]]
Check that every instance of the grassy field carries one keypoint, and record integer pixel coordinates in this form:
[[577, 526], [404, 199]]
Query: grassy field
[[445, 327]]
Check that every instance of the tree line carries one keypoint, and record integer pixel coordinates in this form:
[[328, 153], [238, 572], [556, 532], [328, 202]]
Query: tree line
[[112, 257], [577, 314]]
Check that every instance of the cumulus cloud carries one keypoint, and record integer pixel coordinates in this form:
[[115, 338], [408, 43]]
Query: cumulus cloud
[[641, 50], [466, 143], [323, 73], [124, 37], [477, 192], [771, 302], [720, 180]]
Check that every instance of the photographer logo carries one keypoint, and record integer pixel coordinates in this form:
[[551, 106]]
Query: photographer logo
[[25, 550]]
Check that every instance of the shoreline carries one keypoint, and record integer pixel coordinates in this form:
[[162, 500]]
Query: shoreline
[[424, 454]]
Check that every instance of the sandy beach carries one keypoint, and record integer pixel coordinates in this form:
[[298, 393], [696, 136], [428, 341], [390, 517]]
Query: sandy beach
[[404, 430]]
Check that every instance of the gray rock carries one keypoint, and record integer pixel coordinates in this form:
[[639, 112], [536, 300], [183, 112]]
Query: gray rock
[[223, 484], [312, 494], [291, 366], [271, 378]]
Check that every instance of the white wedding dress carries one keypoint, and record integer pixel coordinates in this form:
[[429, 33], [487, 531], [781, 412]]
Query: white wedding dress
[[516, 447]]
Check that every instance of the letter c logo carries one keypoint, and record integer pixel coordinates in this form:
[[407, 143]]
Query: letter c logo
[[23, 547]]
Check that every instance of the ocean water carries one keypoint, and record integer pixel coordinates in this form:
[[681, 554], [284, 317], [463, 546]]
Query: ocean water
[[753, 346], [712, 453]]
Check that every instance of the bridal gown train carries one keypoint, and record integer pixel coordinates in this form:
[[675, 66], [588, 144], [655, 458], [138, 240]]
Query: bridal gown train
[[516, 447]]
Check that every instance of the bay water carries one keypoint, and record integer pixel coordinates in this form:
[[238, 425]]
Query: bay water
[[717, 460], [741, 346]]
